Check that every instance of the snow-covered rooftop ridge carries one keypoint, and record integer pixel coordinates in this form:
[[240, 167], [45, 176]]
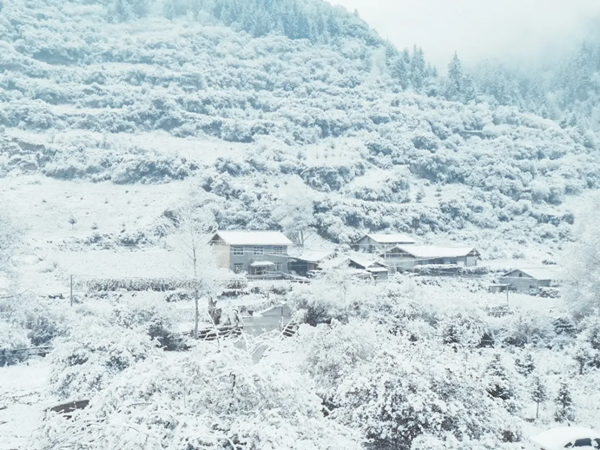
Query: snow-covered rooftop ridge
[[541, 273], [314, 256], [558, 437], [391, 238], [364, 262], [435, 251], [253, 237]]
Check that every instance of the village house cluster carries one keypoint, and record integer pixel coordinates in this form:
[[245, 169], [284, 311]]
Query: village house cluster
[[270, 254], [259, 253]]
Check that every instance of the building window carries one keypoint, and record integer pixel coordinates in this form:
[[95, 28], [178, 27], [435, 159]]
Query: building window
[[258, 250], [238, 268], [279, 250], [238, 251]]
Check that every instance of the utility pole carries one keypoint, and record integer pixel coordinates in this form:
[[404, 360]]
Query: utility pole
[[71, 290]]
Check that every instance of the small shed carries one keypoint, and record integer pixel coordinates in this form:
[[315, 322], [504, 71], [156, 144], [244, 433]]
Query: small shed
[[498, 288], [524, 280], [308, 262], [377, 270]]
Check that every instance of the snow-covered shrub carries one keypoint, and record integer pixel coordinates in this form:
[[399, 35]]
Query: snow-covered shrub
[[521, 330], [461, 329], [330, 354], [12, 337], [411, 390], [152, 317], [317, 303], [211, 399], [83, 363], [44, 324], [332, 177]]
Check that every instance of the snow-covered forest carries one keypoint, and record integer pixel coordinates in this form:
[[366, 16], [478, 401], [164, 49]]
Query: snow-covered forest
[[130, 130]]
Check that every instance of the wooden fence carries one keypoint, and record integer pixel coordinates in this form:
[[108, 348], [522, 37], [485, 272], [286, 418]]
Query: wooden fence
[[219, 332]]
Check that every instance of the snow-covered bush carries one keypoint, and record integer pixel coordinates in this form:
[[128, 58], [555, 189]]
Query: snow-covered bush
[[12, 337], [410, 390], [317, 302], [83, 363], [153, 317], [461, 329], [523, 329], [332, 353], [44, 324], [212, 399]]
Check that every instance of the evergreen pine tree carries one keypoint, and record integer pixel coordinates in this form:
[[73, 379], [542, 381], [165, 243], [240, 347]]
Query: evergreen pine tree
[[539, 394], [468, 88], [584, 356], [140, 8], [400, 71], [454, 83], [525, 365], [418, 71], [169, 10], [196, 7], [121, 11], [499, 384], [564, 404]]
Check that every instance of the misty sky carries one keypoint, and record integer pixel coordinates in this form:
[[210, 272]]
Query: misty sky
[[510, 30]]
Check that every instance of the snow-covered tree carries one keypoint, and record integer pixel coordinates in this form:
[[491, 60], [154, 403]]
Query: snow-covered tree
[[454, 89], [11, 238], [539, 393], [585, 355], [211, 399], [83, 362], [525, 364], [500, 382], [295, 211], [564, 404], [418, 71], [409, 391], [582, 289], [194, 224]]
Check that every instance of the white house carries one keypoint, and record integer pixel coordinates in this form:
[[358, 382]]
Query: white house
[[409, 256], [253, 252], [374, 242]]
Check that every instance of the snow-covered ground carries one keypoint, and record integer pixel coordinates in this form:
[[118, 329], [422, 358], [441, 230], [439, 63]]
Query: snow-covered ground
[[23, 401]]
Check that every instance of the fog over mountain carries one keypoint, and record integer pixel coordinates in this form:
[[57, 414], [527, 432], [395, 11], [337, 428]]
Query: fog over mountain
[[509, 32]]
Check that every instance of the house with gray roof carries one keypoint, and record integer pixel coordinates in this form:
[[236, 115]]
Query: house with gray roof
[[409, 256], [525, 280], [374, 242]]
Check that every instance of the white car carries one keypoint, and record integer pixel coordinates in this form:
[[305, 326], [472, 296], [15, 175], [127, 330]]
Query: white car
[[568, 437]]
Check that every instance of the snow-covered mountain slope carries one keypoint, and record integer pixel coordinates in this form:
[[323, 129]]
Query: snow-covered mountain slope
[[155, 101]]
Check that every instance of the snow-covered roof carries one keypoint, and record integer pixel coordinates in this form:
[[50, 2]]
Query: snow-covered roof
[[365, 263], [262, 264], [390, 238], [557, 438], [377, 269], [435, 251], [314, 257], [253, 238], [540, 273]]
